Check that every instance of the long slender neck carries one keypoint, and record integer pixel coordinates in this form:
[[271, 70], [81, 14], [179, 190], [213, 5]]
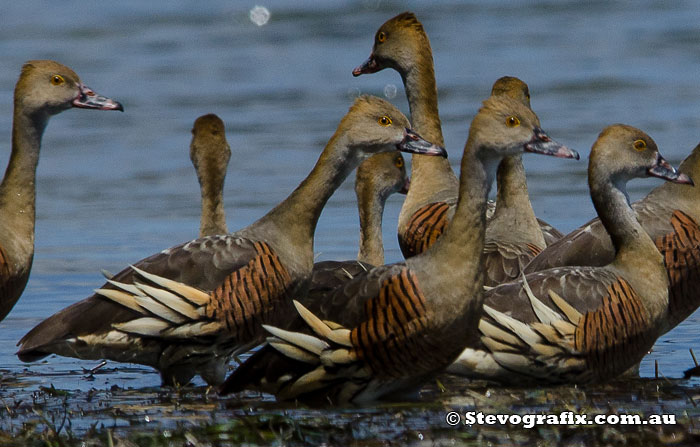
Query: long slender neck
[[513, 202], [370, 204], [452, 268], [511, 181], [421, 91], [292, 223], [612, 205], [213, 220], [430, 175], [18, 189], [462, 244]]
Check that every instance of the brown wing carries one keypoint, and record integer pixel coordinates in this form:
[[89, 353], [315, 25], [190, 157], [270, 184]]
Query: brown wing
[[329, 275], [681, 252], [425, 227], [582, 287], [551, 234], [590, 244], [503, 261]]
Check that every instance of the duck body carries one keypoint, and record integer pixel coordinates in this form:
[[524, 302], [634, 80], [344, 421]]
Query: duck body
[[395, 325], [188, 309], [669, 214], [45, 88], [583, 324]]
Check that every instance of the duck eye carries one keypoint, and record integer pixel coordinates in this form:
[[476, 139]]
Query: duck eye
[[57, 80], [384, 121], [640, 145], [381, 36], [399, 162], [512, 121]]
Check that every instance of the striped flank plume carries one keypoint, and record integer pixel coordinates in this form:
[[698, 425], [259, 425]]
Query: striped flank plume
[[425, 227]]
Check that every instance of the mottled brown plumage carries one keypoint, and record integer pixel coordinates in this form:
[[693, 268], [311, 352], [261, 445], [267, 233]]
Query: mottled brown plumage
[[188, 309], [210, 154], [404, 321], [424, 228], [44, 88], [401, 43], [583, 324]]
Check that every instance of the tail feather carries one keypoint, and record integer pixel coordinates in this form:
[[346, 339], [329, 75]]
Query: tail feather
[[303, 341], [170, 308], [192, 294], [339, 335], [125, 299], [544, 349]]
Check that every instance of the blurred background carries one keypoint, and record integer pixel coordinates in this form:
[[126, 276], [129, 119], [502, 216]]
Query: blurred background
[[114, 188]]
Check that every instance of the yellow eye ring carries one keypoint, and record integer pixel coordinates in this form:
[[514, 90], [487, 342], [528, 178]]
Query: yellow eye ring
[[57, 80], [640, 145], [384, 121], [381, 36], [399, 162], [512, 121]]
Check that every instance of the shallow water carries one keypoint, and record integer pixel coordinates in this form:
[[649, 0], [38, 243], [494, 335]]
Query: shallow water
[[114, 188]]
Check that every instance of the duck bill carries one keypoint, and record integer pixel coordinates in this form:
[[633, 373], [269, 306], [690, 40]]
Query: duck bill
[[542, 144], [414, 144], [88, 99], [367, 67], [663, 169]]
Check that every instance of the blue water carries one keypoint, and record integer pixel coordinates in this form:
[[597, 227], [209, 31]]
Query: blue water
[[114, 188]]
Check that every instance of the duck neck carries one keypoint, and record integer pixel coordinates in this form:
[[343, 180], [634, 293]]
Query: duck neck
[[513, 202], [292, 223], [370, 204], [620, 221], [213, 219], [462, 245], [18, 188], [430, 175], [421, 91]]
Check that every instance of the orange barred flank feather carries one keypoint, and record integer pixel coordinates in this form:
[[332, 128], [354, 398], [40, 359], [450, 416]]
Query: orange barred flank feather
[[248, 295], [681, 252], [534, 249], [621, 316], [425, 227], [390, 338]]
